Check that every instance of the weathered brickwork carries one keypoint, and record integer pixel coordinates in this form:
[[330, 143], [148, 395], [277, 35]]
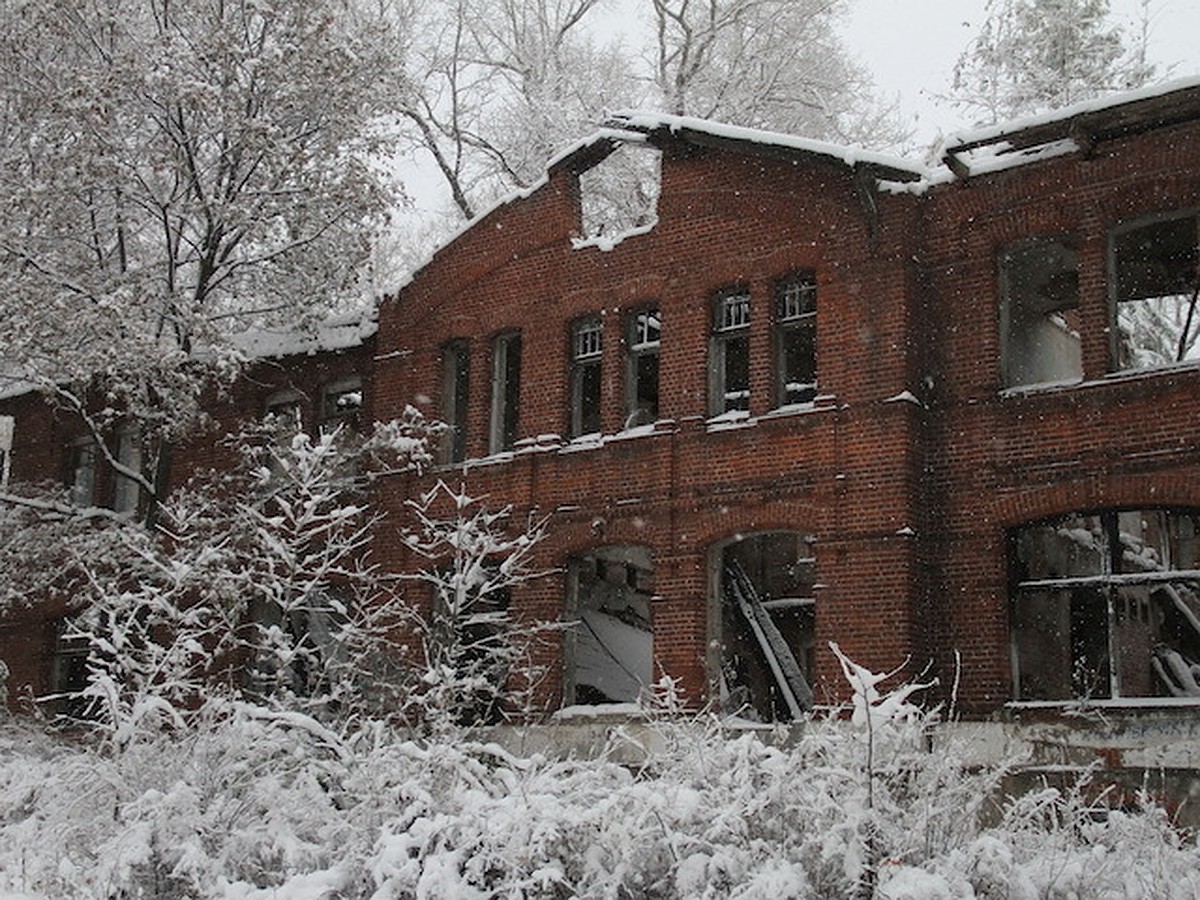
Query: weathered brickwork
[[899, 485]]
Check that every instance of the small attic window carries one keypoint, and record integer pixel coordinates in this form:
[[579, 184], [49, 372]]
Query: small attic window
[[620, 193]]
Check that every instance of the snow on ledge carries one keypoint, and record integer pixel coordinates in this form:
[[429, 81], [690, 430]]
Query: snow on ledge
[[606, 242]]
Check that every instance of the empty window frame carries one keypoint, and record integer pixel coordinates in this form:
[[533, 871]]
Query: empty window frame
[[587, 342], [1106, 605], [506, 392], [767, 624], [796, 339], [608, 654], [729, 360], [456, 381], [1039, 313], [341, 405], [643, 340], [1154, 283], [7, 429], [126, 491], [81, 473]]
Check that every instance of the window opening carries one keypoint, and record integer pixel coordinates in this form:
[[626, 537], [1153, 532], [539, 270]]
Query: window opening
[[767, 625], [341, 404], [69, 670], [796, 340], [610, 646], [620, 193], [586, 344], [284, 412], [295, 647], [1039, 313], [126, 490], [506, 391], [81, 473], [456, 371], [7, 428], [730, 359], [1155, 294], [1107, 605], [641, 367]]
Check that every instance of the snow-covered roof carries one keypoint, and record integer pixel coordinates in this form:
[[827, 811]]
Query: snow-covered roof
[[1072, 128], [717, 134], [338, 332]]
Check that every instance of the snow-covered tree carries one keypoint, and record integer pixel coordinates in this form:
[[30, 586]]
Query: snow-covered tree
[[174, 171], [1034, 55], [477, 654]]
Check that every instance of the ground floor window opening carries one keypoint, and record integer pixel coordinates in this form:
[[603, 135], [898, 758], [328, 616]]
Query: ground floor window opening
[[609, 648], [767, 622], [1106, 605]]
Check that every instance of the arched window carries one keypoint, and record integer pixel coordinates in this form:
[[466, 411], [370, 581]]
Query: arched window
[[1106, 605], [767, 620], [608, 652]]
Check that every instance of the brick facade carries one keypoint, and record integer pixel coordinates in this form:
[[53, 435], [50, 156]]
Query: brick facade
[[905, 476]]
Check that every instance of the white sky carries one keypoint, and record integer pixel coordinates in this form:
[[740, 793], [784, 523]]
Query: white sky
[[910, 46]]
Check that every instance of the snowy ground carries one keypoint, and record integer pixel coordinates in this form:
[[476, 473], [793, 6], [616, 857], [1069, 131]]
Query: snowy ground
[[247, 804]]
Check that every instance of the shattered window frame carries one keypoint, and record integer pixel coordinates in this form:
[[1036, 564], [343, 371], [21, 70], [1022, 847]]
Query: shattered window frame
[[762, 623], [729, 353], [1105, 606], [643, 344], [456, 382], [506, 392], [796, 339], [587, 353], [1154, 291], [1040, 325], [608, 650]]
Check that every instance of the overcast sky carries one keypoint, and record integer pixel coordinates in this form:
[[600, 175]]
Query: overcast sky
[[910, 46]]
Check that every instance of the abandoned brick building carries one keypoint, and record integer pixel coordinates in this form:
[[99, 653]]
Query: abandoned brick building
[[945, 414]]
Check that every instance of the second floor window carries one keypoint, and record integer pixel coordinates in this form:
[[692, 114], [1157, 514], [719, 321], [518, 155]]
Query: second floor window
[[1039, 313], [129, 454], [796, 340], [341, 403], [1155, 286], [506, 391], [729, 360], [641, 367], [456, 371], [81, 473], [586, 346], [7, 426]]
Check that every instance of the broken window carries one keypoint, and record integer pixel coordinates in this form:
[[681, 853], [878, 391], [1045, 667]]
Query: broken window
[[1155, 285], [456, 370], [506, 391], [620, 193], [1039, 313], [609, 649], [587, 340], [284, 413], [69, 671], [126, 490], [341, 404], [1107, 605], [767, 625], [294, 646], [796, 340], [81, 473], [7, 426], [641, 367], [729, 372]]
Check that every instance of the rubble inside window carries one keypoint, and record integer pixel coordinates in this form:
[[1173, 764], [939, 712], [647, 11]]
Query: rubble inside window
[[619, 194], [796, 340], [1156, 285], [1107, 605], [729, 365], [642, 341], [609, 649], [1039, 313], [768, 618], [506, 391], [586, 350]]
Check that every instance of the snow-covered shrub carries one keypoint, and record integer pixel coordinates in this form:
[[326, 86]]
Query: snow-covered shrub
[[477, 659]]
